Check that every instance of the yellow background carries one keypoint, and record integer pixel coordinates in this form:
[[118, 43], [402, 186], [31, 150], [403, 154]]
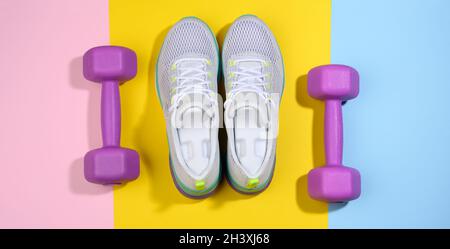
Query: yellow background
[[302, 29]]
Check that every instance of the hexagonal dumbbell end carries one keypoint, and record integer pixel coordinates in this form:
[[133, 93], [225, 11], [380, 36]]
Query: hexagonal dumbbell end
[[109, 63], [333, 82], [111, 165], [334, 183]]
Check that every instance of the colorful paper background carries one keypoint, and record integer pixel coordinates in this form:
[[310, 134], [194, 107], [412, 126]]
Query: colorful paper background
[[49, 114], [396, 131], [153, 200]]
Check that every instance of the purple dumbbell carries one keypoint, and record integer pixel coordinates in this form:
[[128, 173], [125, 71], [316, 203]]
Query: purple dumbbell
[[111, 164], [334, 182]]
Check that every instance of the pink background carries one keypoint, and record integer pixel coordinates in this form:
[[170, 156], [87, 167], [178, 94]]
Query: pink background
[[45, 104]]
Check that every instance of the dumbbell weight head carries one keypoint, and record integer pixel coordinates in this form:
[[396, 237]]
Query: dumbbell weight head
[[109, 63], [338, 82], [334, 183], [110, 164]]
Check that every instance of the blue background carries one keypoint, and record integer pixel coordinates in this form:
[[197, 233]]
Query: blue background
[[397, 130]]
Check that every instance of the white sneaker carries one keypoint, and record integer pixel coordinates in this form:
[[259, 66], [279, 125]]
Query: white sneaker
[[186, 81], [254, 82]]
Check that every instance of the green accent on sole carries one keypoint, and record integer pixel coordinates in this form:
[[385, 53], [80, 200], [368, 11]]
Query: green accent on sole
[[200, 184], [247, 190], [252, 182]]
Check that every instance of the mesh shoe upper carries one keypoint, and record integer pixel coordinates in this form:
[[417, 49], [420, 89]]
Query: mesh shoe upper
[[248, 35], [251, 56], [190, 37], [187, 68]]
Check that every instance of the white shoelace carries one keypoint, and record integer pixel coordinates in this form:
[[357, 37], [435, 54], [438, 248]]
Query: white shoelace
[[191, 79], [249, 79]]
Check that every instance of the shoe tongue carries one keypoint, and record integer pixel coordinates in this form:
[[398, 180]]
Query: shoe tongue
[[195, 111]]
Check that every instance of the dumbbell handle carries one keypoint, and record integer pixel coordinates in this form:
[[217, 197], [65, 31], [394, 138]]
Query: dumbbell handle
[[333, 132], [110, 112]]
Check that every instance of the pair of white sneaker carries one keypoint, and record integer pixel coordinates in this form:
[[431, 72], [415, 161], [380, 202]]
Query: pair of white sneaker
[[186, 80]]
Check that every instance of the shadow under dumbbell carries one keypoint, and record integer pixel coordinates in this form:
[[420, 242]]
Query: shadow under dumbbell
[[318, 108], [78, 82], [78, 185], [304, 201], [336, 206]]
